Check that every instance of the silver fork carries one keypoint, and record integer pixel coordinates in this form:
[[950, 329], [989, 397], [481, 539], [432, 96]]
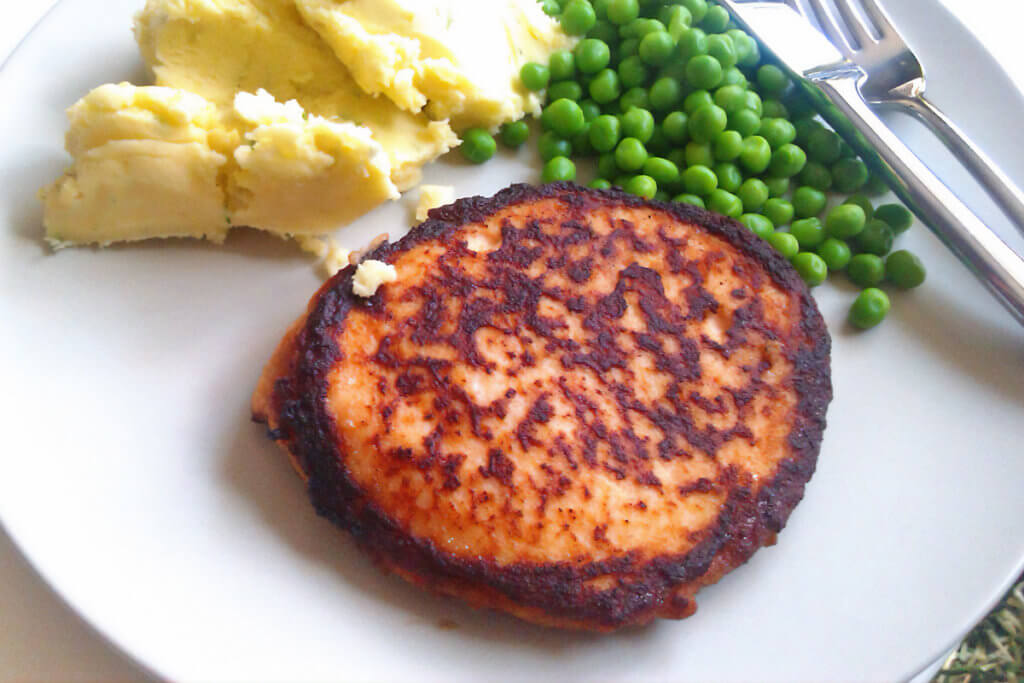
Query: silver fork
[[895, 78]]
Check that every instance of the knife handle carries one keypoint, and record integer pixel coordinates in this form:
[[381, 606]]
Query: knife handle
[[997, 266]]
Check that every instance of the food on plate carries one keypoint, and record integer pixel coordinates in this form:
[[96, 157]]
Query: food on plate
[[370, 275], [431, 197], [578, 407], [261, 119]]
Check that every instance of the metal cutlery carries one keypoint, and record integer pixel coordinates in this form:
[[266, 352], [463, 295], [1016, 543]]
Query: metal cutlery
[[831, 81]]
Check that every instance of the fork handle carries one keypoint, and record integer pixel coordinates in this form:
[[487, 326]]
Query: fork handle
[[974, 243], [998, 185]]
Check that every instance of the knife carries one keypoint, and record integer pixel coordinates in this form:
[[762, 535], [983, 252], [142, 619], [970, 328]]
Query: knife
[[830, 81]]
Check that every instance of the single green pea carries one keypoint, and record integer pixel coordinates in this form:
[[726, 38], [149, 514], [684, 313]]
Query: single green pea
[[699, 154], [638, 123], [689, 199], [758, 224], [670, 14], [808, 201], [778, 210], [876, 238], [630, 154], [849, 175], [676, 70], [864, 203], [640, 27], [733, 76], [514, 133], [691, 43], [804, 128], [824, 146], [904, 269], [478, 145], [784, 243], [816, 175], [756, 154], [605, 132], [707, 122], [787, 161], [716, 20], [875, 186], [731, 98], [581, 146], [662, 195], [634, 97], [703, 71], [567, 90], [578, 17], [723, 49], [728, 145], [698, 8], [748, 53], [798, 104], [621, 180], [869, 308], [605, 87], [676, 127], [772, 80], [600, 9], [623, 11], [809, 232], [604, 30], [730, 178], [561, 65], [665, 93], [628, 48], [845, 221], [558, 168], [696, 100], [662, 170], [777, 132], [754, 102], [811, 267], [725, 202], [774, 109], [656, 48], [777, 186], [896, 216], [592, 55], [753, 193], [746, 122], [599, 184], [865, 270], [534, 76], [835, 253], [551, 146], [700, 180], [633, 73], [607, 167], [564, 117], [591, 110], [552, 8], [642, 186]]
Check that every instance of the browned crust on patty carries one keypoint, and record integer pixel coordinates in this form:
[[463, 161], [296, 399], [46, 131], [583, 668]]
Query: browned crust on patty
[[292, 399]]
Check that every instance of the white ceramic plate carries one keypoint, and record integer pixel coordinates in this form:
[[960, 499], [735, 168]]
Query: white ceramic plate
[[133, 480]]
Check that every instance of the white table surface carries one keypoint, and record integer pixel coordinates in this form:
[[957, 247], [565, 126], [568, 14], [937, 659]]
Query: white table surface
[[40, 638]]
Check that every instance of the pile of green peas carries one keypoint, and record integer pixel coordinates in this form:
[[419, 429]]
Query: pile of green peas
[[675, 103]]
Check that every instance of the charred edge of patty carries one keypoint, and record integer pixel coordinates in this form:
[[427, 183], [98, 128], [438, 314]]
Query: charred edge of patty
[[746, 523]]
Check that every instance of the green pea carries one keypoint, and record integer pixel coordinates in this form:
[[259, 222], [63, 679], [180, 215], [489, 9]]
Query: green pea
[[591, 110], [723, 49], [753, 193], [835, 253], [604, 87], [733, 76], [634, 97], [784, 243], [778, 210], [756, 154], [747, 52], [552, 8], [731, 98], [662, 170], [772, 80], [514, 133], [777, 132], [561, 65], [665, 93], [675, 14], [662, 196], [876, 238], [642, 186], [700, 180], [638, 123], [630, 154], [707, 122], [621, 181], [845, 221], [746, 122], [689, 199], [807, 201], [824, 146], [691, 43], [698, 8], [869, 308], [754, 102], [607, 167], [551, 146], [567, 90], [699, 154], [773, 109], [623, 11], [758, 224], [558, 168], [849, 175], [605, 131], [716, 20], [676, 127], [578, 17], [896, 216], [604, 30], [787, 161], [804, 128], [640, 27], [599, 184], [726, 203], [809, 232], [875, 186], [729, 176], [564, 117], [864, 203], [534, 76], [811, 267], [656, 47], [865, 270], [728, 145], [777, 186], [581, 146], [629, 47], [798, 104], [633, 72], [817, 176], [703, 71], [904, 269], [696, 100], [592, 55], [676, 70], [477, 145]]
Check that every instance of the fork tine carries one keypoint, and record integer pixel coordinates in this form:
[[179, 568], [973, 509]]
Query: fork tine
[[860, 31], [830, 25], [879, 17]]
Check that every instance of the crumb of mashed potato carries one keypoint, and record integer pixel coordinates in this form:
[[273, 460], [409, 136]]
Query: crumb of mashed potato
[[431, 197], [370, 275]]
